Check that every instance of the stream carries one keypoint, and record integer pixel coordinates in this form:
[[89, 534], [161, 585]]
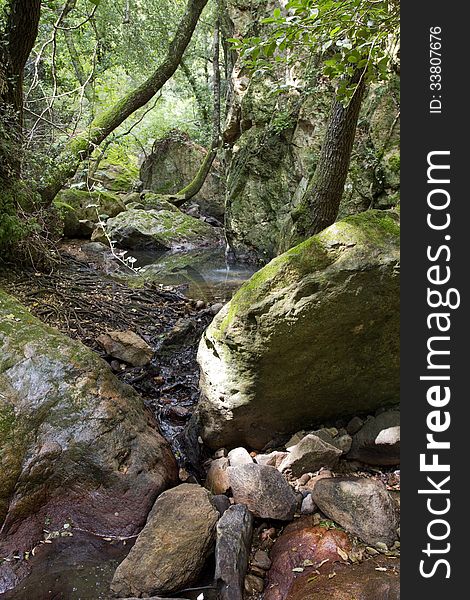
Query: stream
[[80, 566]]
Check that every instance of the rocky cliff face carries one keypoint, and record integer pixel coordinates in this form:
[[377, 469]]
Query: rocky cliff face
[[275, 141]]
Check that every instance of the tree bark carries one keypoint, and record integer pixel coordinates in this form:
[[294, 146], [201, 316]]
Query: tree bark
[[320, 204], [16, 43], [196, 184], [81, 146]]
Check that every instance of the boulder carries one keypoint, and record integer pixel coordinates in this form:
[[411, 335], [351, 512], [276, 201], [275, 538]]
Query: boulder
[[309, 455], [312, 336], [378, 440], [122, 177], [80, 209], [172, 548], [263, 490], [373, 579], [306, 547], [76, 445], [172, 165], [362, 506], [158, 230], [126, 346], [234, 535]]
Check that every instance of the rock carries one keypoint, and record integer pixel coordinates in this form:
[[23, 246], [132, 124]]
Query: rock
[[217, 477], [308, 505], [172, 165], [261, 560], [284, 352], [221, 502], [362, 506], [80, 210], [76, 444], [309, 455], [378, 441], [295, 439], [264, 491], [239, 456], [172, 548], [234, 535], [216, 308], [126, 346], [354, 425], [158, 230], [220, 453], [120, 177], [312, 482], [274, 459], [374, 579], [303, 546], [253, 584]]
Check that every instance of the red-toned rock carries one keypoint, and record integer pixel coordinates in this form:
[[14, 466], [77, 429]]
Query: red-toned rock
[[374, 579], [302, 545], [217, 478]]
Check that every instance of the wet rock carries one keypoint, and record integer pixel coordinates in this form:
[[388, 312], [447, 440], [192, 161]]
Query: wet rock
[[362, 506], [303, 546], [378, 441], [126, 346], [239, 456], [309, 455], [264, 491], [171, 550], [373, 579], [234, 535], [76, 444], [217, 477], [268, 366], [158, 230]]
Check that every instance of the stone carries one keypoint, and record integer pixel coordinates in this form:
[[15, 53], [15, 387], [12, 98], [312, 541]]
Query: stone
[[80, 209], [234, 535], [354, 425], [216, 308], [254, 584], [284, 352], [261, 560], [220, 453], [158, 230], [378, 440], [274, 459], [172, 165], [263, 490], [308, 505], [362, 506], [172, 548], [305, 546], [126, 346], [374, 579], [309, 455], [221, 502], [239, 456], [115, 177], [217, 478], [76, 444]]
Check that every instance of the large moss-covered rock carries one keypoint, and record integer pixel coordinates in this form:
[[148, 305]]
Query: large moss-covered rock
[[173, 164], [81, 209], [76, 445], [311, 336], [139, 229]]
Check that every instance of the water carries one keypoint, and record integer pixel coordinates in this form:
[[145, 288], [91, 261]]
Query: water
[[202, 274]]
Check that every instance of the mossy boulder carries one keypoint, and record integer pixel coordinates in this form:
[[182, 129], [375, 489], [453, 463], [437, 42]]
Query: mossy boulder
[[77, 446], [81, 208], [158, 230], [117, 177], [173, 164], [312, 336]]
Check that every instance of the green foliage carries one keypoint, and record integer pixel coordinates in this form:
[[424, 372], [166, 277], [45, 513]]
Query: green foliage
[[351, 36]]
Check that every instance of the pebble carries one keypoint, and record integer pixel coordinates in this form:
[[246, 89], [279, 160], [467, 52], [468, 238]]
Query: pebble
[[216, 308], [200, 304], [261, 560], [254, 584], [308, 505]]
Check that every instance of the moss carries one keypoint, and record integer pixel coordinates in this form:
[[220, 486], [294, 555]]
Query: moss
[[372, 227]]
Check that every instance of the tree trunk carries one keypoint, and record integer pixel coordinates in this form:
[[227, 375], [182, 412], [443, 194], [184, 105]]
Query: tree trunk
[[320, 204], [16, 43], [196, 184], [81, 146]]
